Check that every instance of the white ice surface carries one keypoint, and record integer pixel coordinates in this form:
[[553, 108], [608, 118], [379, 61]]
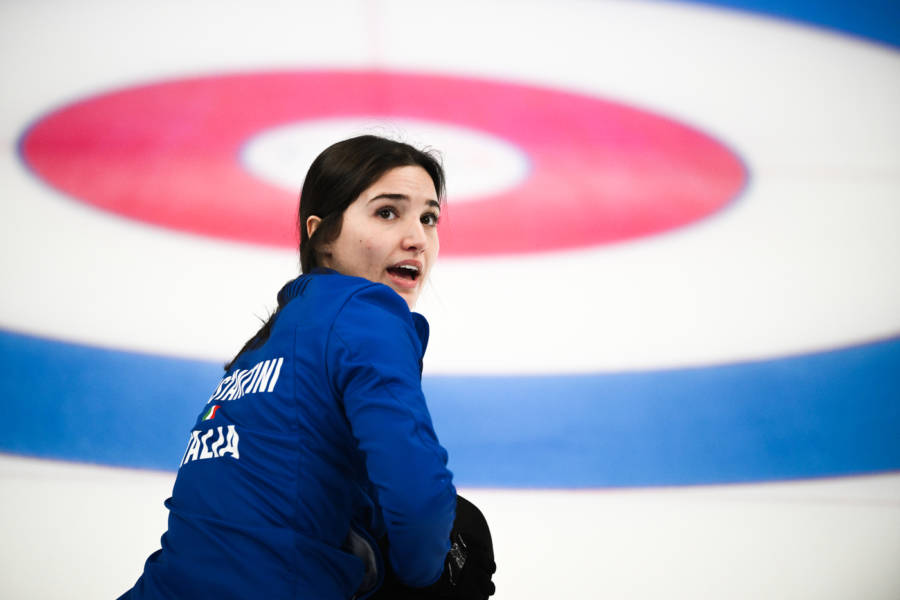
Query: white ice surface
[[79, 531]]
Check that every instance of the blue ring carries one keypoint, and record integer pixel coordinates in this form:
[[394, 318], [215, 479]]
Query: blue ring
[[825, 414]]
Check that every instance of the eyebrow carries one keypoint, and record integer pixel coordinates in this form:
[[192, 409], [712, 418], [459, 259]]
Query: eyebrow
[[403, 197]]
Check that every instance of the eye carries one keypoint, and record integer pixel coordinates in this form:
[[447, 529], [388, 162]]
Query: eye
[[387, 213], [430, 219]]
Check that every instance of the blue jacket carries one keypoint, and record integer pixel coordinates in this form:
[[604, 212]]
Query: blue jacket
[[314, 446]]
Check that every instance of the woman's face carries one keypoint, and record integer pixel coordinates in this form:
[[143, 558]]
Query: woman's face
[[389, 233]]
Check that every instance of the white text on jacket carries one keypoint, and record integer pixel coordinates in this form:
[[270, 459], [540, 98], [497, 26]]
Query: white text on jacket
[[260, 378], [200, 448]]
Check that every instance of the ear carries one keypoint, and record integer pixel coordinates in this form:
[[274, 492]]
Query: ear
[[312, 223]]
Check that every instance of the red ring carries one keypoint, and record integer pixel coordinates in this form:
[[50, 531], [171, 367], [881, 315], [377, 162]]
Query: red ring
[[169, 154]]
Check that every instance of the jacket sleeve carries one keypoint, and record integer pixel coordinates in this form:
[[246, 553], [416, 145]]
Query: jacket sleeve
[[374, 358]]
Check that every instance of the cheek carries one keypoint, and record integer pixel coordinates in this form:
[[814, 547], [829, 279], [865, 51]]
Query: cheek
[[368, 247], [370, 251], [432, 253], [435, 245]]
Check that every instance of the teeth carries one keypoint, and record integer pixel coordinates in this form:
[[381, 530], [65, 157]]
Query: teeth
[[409, 268]]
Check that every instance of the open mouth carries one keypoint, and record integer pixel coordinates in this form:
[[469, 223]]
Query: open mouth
[[404, 271]]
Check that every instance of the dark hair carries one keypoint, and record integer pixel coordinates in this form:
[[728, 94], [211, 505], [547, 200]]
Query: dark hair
[[334, 181]]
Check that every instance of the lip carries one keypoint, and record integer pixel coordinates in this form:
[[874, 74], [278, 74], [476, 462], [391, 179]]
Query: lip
[[402, 282]]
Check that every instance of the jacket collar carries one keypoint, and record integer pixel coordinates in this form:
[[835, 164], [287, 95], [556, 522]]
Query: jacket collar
[[295, 287]]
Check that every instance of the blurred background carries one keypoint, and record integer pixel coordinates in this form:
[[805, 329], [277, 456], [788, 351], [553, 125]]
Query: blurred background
[[665, 350]]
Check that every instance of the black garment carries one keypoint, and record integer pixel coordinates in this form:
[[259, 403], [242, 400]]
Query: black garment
[[468, 566]]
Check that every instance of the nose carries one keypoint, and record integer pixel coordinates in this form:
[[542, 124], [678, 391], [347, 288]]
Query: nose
[[414, 237]]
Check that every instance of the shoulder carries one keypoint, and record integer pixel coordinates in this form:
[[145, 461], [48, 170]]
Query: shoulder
[[327, 299], [375, 310], [376, 299], [327, 287], [318, 297], [369, 316]]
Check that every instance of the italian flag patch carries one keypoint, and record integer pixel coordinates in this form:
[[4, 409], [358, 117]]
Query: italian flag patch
[[210, 413]]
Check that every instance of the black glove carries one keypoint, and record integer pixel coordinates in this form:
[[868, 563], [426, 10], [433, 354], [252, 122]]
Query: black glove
[[468, 566], [470, 562]]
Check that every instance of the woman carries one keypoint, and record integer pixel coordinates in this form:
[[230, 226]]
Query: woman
[[313, 471]]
